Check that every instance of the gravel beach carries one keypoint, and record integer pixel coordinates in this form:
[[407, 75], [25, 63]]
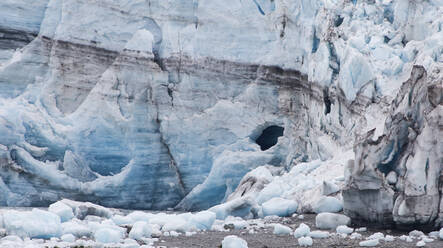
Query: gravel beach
[[264, 237]]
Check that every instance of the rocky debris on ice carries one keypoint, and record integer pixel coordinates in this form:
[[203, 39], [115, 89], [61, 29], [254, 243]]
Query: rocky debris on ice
[[330, 188], [331, 220], [233, 241], [83, 209], [410, 148], [236, 222]]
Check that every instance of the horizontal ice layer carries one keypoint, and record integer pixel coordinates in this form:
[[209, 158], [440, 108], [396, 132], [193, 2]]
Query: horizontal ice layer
[[22, 15], [19, 24]]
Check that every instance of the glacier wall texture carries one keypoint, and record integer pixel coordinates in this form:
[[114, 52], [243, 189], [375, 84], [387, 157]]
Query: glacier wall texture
[[157, 104], [397, 178]]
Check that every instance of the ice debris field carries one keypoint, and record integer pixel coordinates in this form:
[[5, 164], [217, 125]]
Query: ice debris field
[[68, 223]]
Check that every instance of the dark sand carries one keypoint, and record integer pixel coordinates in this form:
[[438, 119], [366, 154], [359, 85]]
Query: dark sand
[[264, 238]]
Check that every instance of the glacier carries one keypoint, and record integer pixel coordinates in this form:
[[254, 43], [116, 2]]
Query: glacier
[[164, 104]]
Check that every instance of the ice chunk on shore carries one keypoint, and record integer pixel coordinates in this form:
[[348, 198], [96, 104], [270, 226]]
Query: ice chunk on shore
[[328, 204], [77, 228], [280, 229], [440, 234], [139, 230], [33, 224], [233, 241], [302, 230], [369, 243], [280, 207], [241, 207], [305, 241], [356, 236], [83, 209], [377, 235], [203, 220], [405, 238], [420, 243], [319, 234], [416, 233], [108, 235], [64, 211], [68, 238], [344, 229], [12, 238], [237, 222], [176, 224], [424, 239], [331, 220]]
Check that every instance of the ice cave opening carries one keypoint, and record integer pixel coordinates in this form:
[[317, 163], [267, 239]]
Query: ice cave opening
[[269, 137]]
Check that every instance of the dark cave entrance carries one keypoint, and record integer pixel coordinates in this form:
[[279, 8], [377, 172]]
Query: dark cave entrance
[[269, 137]]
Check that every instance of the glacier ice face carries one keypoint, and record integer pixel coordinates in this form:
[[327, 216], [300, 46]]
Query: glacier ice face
[[159, 104]]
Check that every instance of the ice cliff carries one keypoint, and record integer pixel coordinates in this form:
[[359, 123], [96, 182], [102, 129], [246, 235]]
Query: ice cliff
[[157, 104], [397, 178]]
